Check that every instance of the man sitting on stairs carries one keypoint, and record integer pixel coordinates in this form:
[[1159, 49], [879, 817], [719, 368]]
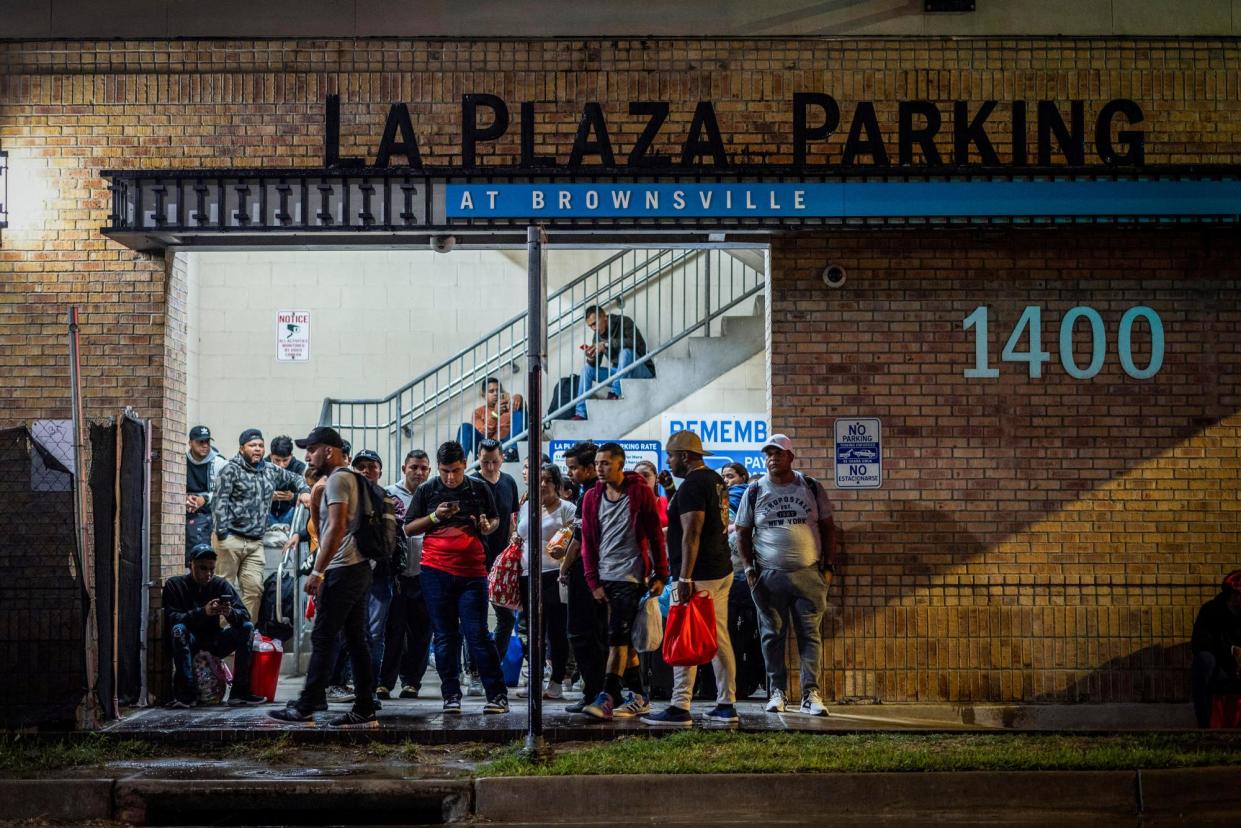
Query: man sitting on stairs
[[618, 342]]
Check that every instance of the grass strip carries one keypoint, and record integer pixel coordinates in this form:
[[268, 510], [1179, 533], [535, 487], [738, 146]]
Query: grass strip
[[18, 754], [698, 751]]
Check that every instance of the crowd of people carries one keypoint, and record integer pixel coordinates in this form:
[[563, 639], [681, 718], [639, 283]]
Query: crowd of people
[[610, 539]]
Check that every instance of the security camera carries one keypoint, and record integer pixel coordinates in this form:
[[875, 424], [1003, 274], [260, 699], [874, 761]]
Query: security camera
[[443, 244], [834, 276]]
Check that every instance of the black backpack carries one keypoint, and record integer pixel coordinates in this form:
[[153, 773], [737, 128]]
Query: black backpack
[[377, 536]]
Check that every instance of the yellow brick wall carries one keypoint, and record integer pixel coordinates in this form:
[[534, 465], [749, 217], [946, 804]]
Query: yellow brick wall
[[70, 109]]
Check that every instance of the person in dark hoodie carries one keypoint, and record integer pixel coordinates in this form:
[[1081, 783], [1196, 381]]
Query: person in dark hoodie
[[618, 341], [623, 558], [1216, 645], [239, 509], [193, 605], [283, 503], [202, 465]]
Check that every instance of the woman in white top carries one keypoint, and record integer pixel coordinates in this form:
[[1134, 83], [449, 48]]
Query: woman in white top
[[557, 514]]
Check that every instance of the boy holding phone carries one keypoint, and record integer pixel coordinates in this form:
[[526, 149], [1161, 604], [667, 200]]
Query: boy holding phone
[[193, 604], [455, 512]]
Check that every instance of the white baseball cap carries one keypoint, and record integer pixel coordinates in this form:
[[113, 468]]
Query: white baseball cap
[[779, 441]]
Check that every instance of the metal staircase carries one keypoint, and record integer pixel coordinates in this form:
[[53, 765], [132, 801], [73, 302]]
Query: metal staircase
[[672, 294]]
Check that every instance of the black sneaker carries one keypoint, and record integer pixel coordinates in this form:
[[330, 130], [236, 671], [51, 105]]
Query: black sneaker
[[354, 719], [383, 693], [452, 704], [576, 707], [409, 692], [497, 705], [181, 704], [292, 713], [243, 699], [378, 705]]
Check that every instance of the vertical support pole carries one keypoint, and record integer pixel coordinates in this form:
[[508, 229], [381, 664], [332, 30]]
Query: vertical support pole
[[88, 717], [536, 354], [147, 582]]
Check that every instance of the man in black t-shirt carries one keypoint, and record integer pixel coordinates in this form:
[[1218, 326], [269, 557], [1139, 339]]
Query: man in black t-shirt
[[700, 561]]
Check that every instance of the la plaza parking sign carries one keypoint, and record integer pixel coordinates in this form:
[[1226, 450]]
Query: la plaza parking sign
[[859, 454]]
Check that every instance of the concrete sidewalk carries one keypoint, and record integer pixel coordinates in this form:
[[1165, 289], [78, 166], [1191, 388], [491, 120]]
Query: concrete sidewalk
[[422, 719]]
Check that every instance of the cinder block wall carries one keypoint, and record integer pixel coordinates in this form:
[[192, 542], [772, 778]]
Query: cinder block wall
[[70, 109]]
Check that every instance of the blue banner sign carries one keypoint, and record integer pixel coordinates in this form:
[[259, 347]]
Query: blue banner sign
[[844, 199]]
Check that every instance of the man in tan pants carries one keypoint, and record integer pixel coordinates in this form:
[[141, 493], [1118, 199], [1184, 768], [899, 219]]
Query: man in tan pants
[[239, 509]]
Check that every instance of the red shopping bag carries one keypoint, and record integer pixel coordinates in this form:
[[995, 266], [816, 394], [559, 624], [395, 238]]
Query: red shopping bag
[[689, 639], [504, 580]]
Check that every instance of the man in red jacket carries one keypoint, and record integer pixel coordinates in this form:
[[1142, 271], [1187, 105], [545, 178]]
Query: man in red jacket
[[623, 557]]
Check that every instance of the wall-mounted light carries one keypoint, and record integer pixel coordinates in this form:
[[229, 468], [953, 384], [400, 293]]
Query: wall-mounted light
[[4, 189]]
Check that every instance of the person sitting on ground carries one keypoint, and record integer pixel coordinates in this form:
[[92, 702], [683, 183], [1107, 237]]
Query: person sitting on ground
[[1216, 645], [193, 605], [498, 418], [623, 558], [617, 340], [651, 475]]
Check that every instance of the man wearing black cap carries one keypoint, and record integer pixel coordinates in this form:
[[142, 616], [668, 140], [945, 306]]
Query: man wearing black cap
[[193, 605], [340, 582], [203, 465], [239, 509], [1216, 645]]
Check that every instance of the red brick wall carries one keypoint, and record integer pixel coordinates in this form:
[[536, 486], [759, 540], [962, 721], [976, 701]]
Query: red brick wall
[[68, 110], [1039, 539]]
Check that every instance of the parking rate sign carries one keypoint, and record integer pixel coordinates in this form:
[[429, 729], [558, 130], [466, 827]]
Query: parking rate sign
[[635, 450], [859, 454]]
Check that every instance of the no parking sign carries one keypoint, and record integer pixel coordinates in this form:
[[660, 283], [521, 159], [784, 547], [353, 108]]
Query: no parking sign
[[859, 454]]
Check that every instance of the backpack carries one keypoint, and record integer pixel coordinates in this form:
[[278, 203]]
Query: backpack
[[376, 537]]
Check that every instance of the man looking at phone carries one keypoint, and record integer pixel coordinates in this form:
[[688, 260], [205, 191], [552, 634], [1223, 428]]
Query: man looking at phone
[[619, 342], [193, 606], [455, 513]]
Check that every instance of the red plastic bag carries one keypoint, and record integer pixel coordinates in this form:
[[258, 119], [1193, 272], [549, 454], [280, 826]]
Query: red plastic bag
[[310, 609], [689, 639], [504, 580]]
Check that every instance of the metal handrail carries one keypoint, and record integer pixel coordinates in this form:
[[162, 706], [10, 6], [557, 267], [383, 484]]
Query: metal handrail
[[669, 296]]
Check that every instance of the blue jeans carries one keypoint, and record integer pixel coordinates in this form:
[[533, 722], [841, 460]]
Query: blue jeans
[[220, 644], [458, 607], [378, 603], [799, 598], [469, 437], [592, 374]]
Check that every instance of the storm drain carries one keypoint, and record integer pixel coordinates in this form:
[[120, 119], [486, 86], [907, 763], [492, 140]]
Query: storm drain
[[293, 802]]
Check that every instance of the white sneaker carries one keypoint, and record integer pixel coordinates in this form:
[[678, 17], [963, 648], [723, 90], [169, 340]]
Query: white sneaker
[[812, 704], [775, 704], [339, 695], [553, 691], [475, 687], [634, 705]]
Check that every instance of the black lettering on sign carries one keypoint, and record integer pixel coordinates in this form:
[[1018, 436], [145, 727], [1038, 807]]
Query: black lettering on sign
[[967, 131], [713, 144], [1135, 140], [864, 119], [802, 133], [470, 132], [592, 121], [528, 159], [923, 136], [398, 122], [641, 155]]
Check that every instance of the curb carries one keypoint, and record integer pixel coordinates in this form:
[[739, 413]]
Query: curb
[[741, 797], [1040, 795], [56, 800]]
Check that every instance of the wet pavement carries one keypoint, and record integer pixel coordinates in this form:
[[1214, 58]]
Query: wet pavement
[[422, 720]]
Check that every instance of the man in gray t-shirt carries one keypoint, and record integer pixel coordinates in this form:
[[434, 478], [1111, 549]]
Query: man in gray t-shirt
[[787, 539], [340, 583], [620, 557]]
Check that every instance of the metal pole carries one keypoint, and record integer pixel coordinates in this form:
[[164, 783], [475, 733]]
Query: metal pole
[[88, 709], [536, 354]]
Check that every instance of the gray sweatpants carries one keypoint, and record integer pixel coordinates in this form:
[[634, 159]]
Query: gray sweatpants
[[799, 597]]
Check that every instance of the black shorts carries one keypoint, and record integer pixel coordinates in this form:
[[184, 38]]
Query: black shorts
[[623, 600]]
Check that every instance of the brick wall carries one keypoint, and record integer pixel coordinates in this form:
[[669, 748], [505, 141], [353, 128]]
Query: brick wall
[[1035, 538], [68, 110]]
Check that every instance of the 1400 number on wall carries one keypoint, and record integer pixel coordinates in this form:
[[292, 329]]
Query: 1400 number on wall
[[1030, 328]]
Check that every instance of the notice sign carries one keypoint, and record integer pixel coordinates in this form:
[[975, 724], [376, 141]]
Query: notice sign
[[859, 454], [293, 335]]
